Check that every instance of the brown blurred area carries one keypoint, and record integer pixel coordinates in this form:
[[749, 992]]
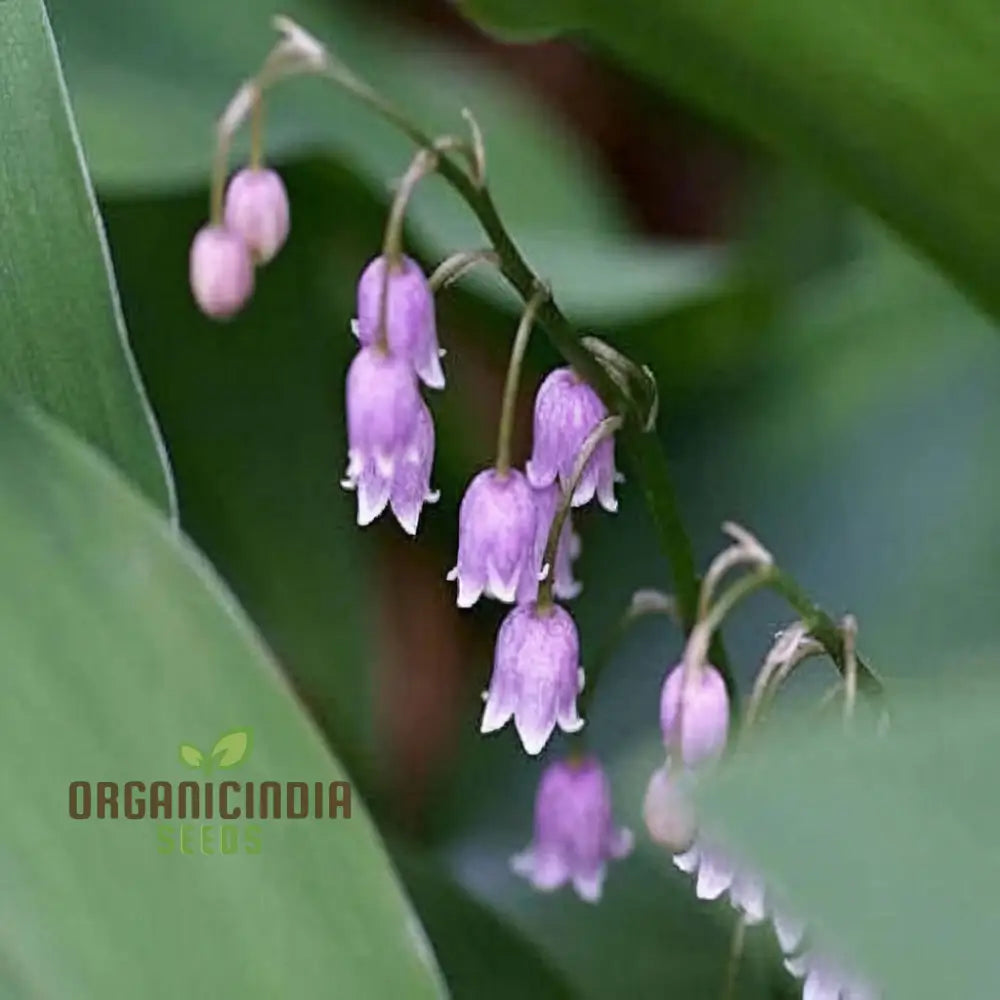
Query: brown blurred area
[[679, 177]]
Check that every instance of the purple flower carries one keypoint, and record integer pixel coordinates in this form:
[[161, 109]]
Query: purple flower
[[496, 539], [564, 586], [536, 675], [695, 722], [221, 272], [566, 411], [257, 209], [575, 835], [409, 316], [390, 438]]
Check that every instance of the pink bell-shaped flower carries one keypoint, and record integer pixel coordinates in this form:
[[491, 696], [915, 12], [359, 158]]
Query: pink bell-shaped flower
[[575, 834], [536, 675], [566, 410], [496, 539], [410, 326], [390, 437]]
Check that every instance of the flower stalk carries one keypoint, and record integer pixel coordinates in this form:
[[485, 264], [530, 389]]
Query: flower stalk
[[604, 430], [509, 405]]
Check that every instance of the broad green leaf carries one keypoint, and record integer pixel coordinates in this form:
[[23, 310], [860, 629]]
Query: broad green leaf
[[191, 756], [63, 343], [150, 79], [231, 749], [120, 637], [888, 844], [896, 101]]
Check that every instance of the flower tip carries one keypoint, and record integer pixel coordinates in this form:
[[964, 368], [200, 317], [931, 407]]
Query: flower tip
[[571, 725], [431, 373], [533, 739], [408, 520], [495, 716], [589, 887]]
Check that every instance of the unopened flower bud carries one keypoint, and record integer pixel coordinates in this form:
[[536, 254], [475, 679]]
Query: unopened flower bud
[[668, 811], [257, 209], [496, 539], [410, 326], [536, 675], [575, 834], [694, 717], [221, 272], [566, 410]]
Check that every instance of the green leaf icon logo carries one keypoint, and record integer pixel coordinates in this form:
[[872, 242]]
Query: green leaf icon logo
[[191, 756], [231, 749]]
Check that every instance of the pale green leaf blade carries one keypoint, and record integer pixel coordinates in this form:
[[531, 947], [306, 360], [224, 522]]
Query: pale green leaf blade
[[120, 638], [887, 844], [63, 343]]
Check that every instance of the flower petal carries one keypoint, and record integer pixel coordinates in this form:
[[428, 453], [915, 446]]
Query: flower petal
[[590, 885], [373, 495]]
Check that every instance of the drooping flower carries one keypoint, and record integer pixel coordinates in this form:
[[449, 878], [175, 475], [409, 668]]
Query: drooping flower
[[694, 718], [536, 675], [410, 326], [220, 271], [411, 484], [566, 410], [826, 978], [256, 208], [390, 438], [496, 539], [564, 585], [575, 834]]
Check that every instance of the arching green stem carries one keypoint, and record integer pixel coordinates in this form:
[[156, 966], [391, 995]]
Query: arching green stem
[[509, 404], [591, 443]]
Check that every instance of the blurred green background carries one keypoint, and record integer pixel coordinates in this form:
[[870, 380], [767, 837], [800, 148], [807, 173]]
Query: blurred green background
[[787, 214]]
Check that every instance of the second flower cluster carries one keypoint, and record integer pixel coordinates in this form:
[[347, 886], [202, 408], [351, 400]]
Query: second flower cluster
[[516, 540]]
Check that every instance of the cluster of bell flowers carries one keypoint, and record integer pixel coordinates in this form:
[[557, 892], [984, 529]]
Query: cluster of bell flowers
[[694, 716], [505, 550], [505, 520]]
